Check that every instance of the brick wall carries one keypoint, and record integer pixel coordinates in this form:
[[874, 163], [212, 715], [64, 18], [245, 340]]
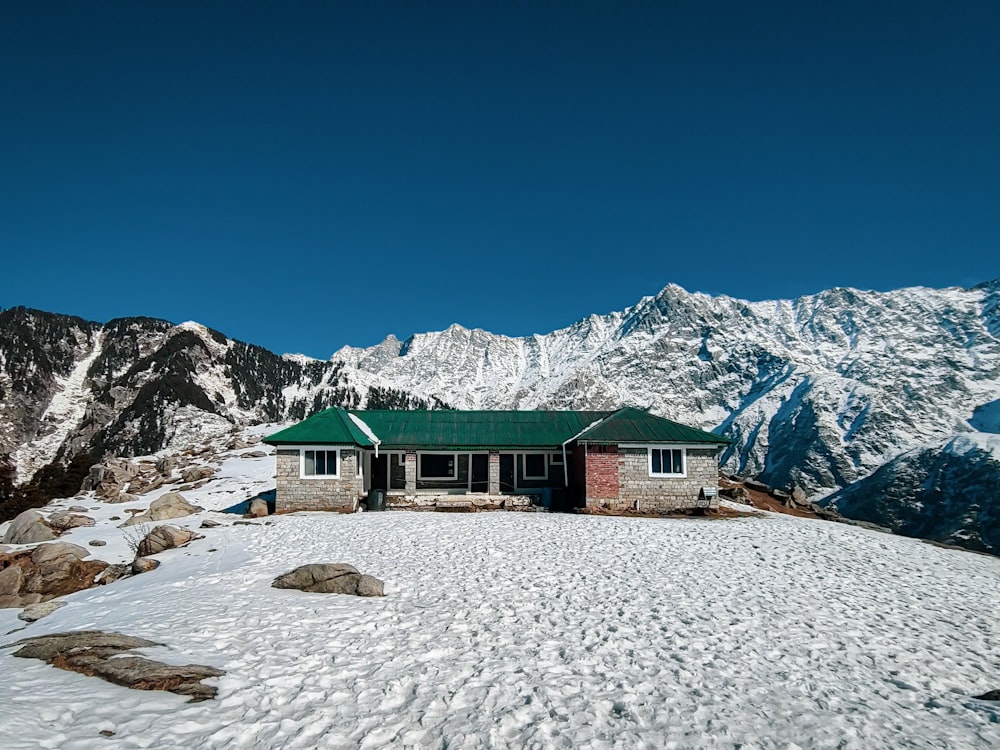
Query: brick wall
[[295, 493], [602, 474]]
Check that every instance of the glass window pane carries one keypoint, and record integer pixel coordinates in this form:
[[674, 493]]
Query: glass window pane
[[310, 467], [437, 466], [331, 462], [657, 466], [678, 461], [534, 465]]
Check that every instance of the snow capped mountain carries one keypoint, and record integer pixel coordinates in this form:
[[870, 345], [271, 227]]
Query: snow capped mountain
[[818, 392]]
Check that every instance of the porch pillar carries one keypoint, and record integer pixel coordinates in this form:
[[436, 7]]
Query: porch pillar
[[410, 466], [494, 478]]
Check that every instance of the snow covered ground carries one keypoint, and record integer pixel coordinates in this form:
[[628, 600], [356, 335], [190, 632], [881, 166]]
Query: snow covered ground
[[532, 630]]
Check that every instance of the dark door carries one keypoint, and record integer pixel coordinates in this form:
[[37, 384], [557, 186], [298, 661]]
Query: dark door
[[380, 472], [506, 472], [480, 472]]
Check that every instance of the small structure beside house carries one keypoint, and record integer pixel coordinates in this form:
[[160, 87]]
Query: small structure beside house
[[626, 459]]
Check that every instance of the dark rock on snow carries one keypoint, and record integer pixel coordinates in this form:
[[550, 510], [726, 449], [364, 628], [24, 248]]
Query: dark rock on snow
[[98, 654], [163, 538], [330, 578], [47, 571], [35, 612]]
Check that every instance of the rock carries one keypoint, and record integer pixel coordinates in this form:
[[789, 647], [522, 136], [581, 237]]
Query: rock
[[245, 523], [329, 578], [113, 573], [258, 508], [253, 454], [781, 495], [99, 654], [196, 473], [65, 521], [45, 572], [736, 494], [171, 505], [990, 695], [77, 509], [163, 538], [142, 485], [144, 565], [753, 484], [369, 586], [208, 523], [35, 612], [166, 465], [45, 554], [97, 543], [799, 497], [28, 528]]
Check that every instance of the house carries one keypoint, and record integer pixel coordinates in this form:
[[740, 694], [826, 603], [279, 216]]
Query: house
[[620, 460]]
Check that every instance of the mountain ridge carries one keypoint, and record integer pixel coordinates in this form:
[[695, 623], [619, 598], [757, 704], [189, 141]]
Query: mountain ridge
[[819, 391]]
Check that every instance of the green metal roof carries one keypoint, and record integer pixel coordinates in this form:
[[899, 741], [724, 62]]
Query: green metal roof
[[631, 425], [329, 427], [476, 429], [467, 430]]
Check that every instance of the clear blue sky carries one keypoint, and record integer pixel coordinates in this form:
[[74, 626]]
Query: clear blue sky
[[305, 175]]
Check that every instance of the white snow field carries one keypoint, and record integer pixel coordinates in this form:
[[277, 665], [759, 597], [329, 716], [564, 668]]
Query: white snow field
[[539, 631]]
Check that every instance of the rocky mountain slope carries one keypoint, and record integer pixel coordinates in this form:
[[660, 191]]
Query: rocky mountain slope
[[817, 392], [136, 385]]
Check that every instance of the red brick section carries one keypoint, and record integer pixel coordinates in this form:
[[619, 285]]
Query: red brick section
[[602, 472]]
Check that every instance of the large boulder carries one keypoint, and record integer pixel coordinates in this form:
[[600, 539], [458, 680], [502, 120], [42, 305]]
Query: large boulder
[[64, 521], [28, 528], [329, 578], [196, 473], [258, 508], [34, 612], [99, 654], [45, 572], [171, 505], [163, 538]]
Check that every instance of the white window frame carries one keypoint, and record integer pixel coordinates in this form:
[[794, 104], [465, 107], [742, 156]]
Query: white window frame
[[556, 459], [666, 475], [524, 466], [420, 466], [328, 449]]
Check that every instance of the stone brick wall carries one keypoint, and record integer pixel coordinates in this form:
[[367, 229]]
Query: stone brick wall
[[295, 493], [664, 493]]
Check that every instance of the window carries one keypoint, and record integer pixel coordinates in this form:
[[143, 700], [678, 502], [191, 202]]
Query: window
[[556, 458], [320, 463], [666, 462], [534, 466], [437, 466]]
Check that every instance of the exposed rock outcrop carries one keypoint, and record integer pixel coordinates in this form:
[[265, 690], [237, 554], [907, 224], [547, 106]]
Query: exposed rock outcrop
[[171, 505], [64, 521], [45, 572], [34, 612], [330, 578], [99, 654], [163, 538], [29, 528]]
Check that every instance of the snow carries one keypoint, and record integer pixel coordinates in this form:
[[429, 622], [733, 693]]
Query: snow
[[533, 630], [63, 414]]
